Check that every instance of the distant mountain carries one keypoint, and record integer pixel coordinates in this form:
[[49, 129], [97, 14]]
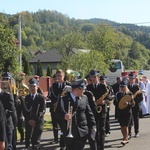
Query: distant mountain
[[98, 20]]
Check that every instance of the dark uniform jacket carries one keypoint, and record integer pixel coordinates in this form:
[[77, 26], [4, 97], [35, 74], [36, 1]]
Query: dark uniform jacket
[[2, 123], [55, 93], [82, 120], [100, 90], [10, 110], [34, 109], [91, 100], [116, 88]]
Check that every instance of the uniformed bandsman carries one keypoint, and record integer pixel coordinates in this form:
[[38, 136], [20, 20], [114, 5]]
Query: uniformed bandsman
[[77, 115], [138, 97], [54, 94], [34, 109], [100, 92], [108, 100], [7, 100]]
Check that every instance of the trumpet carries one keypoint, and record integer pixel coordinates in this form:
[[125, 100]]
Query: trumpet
[[69, 123]]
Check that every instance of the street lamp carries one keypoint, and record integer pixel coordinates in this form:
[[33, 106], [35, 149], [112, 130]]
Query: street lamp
[[20, 43]]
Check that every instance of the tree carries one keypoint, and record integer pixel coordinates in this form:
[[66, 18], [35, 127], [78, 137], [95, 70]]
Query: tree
[[39, 69], [49, 71], [27, 68], [102, 39], [83, 62], [67, 43], [8, 49]]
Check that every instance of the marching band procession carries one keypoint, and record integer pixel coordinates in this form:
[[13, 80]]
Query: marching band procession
[[79, 108]]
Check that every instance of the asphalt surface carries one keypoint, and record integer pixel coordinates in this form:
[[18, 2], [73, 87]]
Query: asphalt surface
[[112, 142]]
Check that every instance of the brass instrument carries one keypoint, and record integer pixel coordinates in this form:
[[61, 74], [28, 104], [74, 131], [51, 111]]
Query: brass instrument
[[72, 74], [13, 86], [99, 108], [69, 122], [66, 89], [23, 90]]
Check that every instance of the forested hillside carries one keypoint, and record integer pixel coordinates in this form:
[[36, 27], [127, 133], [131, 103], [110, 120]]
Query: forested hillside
[[46, 29]]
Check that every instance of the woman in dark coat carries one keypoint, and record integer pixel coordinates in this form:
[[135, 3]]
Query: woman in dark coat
[[124, 111]]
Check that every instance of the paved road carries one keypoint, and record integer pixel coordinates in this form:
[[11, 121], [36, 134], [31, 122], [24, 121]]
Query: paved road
[[113, 141]]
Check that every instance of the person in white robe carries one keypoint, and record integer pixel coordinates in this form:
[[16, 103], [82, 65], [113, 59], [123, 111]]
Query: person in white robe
[[146, 94]]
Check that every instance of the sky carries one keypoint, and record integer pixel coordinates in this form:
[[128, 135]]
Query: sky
[[121, 11]]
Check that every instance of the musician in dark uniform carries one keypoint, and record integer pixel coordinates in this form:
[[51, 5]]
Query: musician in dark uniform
[[91, 100], [135, 89], [124, 115], [54, 94], [39, 89], [33, 110], [6, 76], [108, 100], [11, 116], [99, 91], [77, 114], [116, 89], [2, 127], [23, 90]]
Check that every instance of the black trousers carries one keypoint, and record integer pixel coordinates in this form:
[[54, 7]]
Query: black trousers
[[62, 136], [76, 143], [93, 144], [100, 136], [9, 137], [135, 119], [36, 136], [20, 121], [55, 125], [107, 127], [14, 138]]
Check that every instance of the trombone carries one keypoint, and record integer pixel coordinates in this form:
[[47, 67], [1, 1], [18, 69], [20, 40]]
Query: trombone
[[69, 122]]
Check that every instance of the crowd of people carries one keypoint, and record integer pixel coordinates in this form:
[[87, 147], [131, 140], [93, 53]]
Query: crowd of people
[[79, 108]]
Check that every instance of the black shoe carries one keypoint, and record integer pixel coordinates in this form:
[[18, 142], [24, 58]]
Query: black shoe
[[129, 136], [136, 135], [62, 148], [54, 142], [107, 134], [22, 138]]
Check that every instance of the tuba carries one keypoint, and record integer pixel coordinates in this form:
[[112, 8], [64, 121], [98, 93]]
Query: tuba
[[72, 74]]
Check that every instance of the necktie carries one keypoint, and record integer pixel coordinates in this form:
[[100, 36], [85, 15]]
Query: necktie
[[60, 85], [32, 97], [95, 85], [76, 102]]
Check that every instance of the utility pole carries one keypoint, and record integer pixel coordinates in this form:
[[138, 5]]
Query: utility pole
[[20, 43]]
